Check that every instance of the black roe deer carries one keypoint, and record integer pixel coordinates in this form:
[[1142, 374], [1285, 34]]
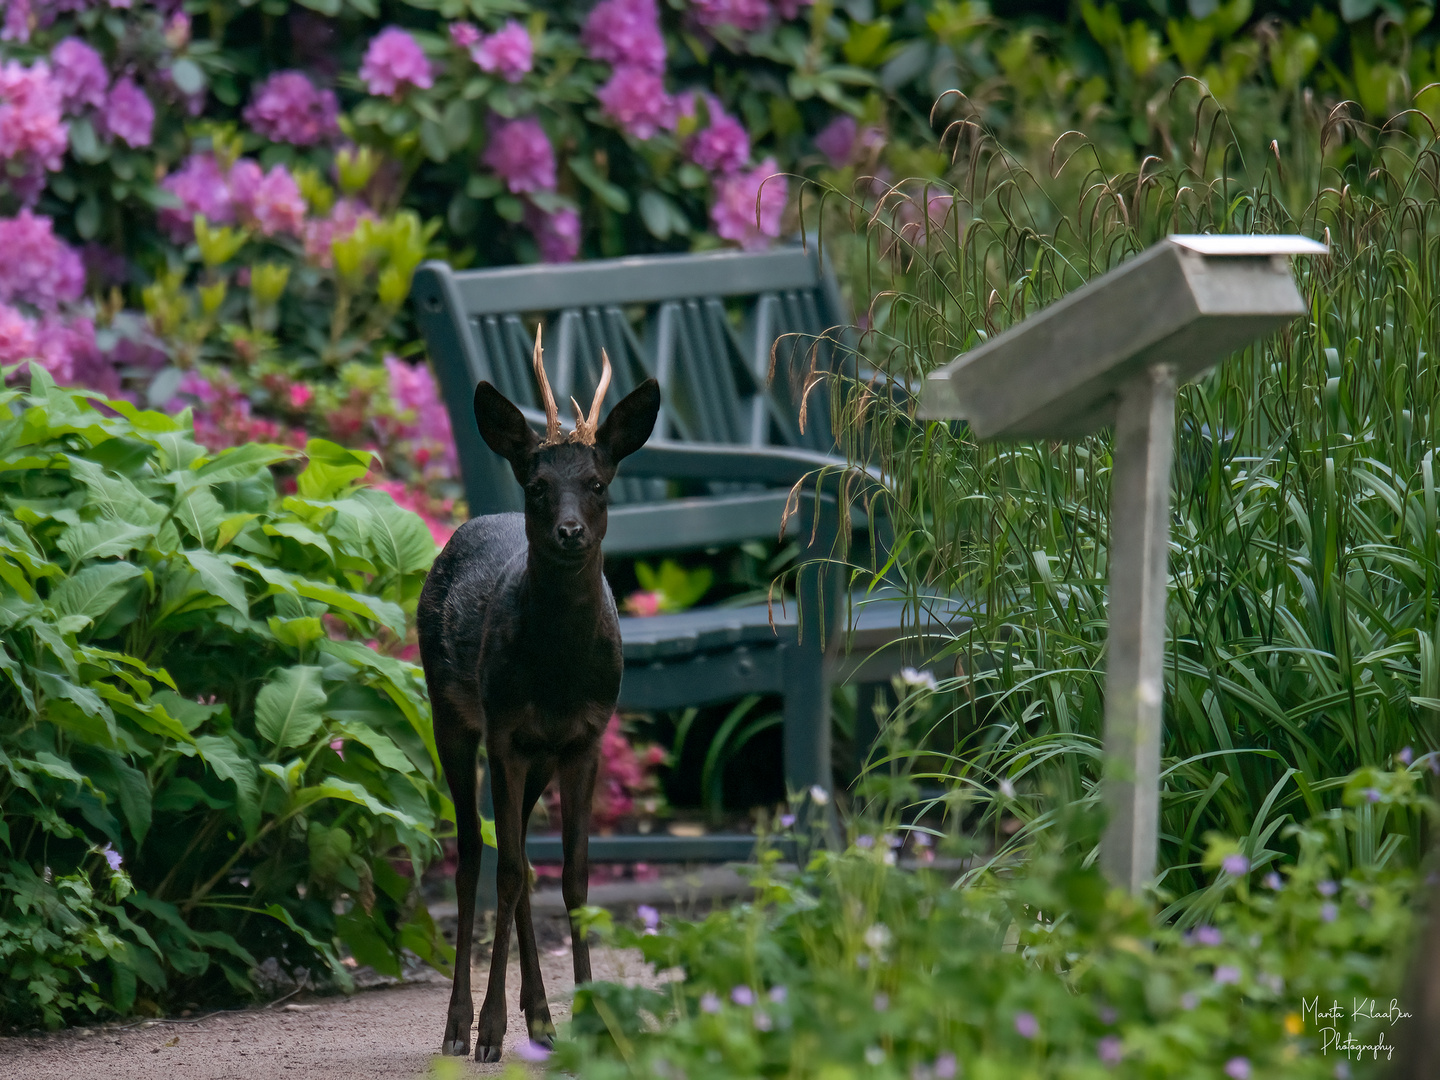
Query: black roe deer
[[521, 647]]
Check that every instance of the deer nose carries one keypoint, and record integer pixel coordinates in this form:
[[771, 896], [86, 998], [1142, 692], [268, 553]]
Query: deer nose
[[570, 532]]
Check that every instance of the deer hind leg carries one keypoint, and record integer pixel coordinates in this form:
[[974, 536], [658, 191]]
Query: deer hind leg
[[458, 744], [577, 792], [532, 988], [507, 787]]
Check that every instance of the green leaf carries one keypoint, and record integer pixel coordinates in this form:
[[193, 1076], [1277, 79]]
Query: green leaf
[[297, 633], [456, 122], [219, 579], [287, 709], [201, 514], [402, 541], [101, 540], [243, 462], [655, 212], [385, 751], [334, 788], [610, 194], [189, 79], [94, 590], [229, 762], [331, 469]]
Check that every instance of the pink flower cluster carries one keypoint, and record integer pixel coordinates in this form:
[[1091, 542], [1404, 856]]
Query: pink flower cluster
[[125, 113], [557, 233], [509, 52], [39, 268], [129, 115], [626, 34], [33, 137], [724, 145], [636, 100], [269, 201], [734, 210], [747, 16], [223, 415], [421, 417], [322, 232], [288, 108], [521, 155], [393, 61]]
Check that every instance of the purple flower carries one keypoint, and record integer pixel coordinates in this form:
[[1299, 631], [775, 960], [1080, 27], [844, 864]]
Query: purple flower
[[1238, 1068], [762, 1020], [17, 22], [508, 52], [724, 146], [521, 155], [1227, 975], [788, 9], [1236, 865], [67, 349], [557, 234], [272, 201], [636, 100], [129, 114], [39, 268], [111, 856], [1110, 1050], [743, 996], [1273, 881], [648, 915], [777, 995], [202, 189], [734, 209], [532, 1052], [1329, 912], [320, 233], [1026, 1025], [393, 60], [946, 1067], [17, 336], [744, 15], [837, 139], [865, 842], [709, 1003], [625, 33], [288, 108], [80, 75], [1405, 756], [33, 137], [1327, 888], [1207, 935], [787, 821], [464, 34], [1372, 794]]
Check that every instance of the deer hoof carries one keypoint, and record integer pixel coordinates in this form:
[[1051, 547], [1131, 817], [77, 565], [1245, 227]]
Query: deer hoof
[[487, 1054], [455, 1047]]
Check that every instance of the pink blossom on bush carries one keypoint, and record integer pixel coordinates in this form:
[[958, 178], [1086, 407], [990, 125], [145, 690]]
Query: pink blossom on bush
[[508, 52], [39, 268], [837, 139], [17, 336], [32, 134], [636, 100], [270, 201], [423, 417], [521, 155], [625, 33], [789, 9], [201, 187], [67, 349], [392, 60], [287, 107], [320, 233], [464, 34], [734, 209], [557, 233], [129, 115], [743, 15], [80, 74], [724, 146], [177, 31]]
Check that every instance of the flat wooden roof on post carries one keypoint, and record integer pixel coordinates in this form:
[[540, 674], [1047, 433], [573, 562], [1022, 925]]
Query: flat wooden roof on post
[[1114, 352]]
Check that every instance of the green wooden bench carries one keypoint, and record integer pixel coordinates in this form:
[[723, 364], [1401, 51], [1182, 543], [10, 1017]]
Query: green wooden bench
[[716, 331]]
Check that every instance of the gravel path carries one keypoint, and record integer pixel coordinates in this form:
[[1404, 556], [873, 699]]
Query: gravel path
[[385, 1034]]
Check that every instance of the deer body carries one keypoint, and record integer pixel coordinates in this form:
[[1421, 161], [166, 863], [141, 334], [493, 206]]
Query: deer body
[[520, 642]]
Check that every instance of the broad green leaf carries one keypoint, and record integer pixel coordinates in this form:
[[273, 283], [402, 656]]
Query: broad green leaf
[[297, 633], [287, 709], [385, 751], [229, 762], [219, 579], [331, 469], [115, 496], [16, 674], [402, 541], [94, 590], [106, 539], [301, 534], [243, 462], [201, 514], [334, 788]]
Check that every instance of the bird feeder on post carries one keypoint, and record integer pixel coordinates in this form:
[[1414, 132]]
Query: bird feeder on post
[[1114, 352]]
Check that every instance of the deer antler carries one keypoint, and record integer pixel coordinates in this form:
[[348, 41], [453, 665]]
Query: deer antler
[[547, 398], [587, 426]]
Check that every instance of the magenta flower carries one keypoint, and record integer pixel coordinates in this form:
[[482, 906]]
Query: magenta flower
[[709, 1003], [625, 33], [17, 336], [636, 100], [201, 188], [945, 1067], [836, 139], [128, 113], [789, 9], [1238, 1068], [423, 416], [648, 915], [80, 75], [320, 233], [1109, 1050], [1207, 935], [66, 348], [464, 34], [734, 209], [521, 155], [532, 1052], [1227, 975], [508, 52], [393, 60], [743, 996], [32, 134], [724, 146], [288, 108], [112, 857], [744, 15], [1026, 1025], [557, 234], [39, 268], [17, 22]]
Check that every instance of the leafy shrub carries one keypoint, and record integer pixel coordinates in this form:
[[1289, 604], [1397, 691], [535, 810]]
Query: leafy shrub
[[202, 763], [855, 968]]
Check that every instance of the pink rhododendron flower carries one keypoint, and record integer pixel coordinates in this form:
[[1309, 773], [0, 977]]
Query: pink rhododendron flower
[[321, 233], [32, 133], [643, 604], [177, 31], [636, 100], [508, 52], [625, 33], [17, 336], [17, 21], [788, 9], [837, 139], [270, 201], [66, 348], [201, 187], [557, 234], [39, 268], [724, 146], [423, 417], [79, 74], [734, 209], [288, 108], [128, 113], [393, 60], [743, 15], [300, 395], [521, 155], [464, 34]]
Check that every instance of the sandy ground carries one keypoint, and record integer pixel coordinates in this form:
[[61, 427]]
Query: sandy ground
[[384, 1033]]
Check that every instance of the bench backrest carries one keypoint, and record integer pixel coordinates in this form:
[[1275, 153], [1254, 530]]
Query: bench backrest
[[706, 326]]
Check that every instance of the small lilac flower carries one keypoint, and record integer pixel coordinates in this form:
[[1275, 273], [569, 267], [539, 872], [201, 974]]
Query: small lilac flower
[[1405, 756], [128, 113], [1329, 912], [1238, 1068], [521, 155], [1236, 865], [1327, 888], [1026, 1025], [777, 995], [464, 34], [762, 1020], [881, 1002], [648, 915], [837, 139], [1274, 881], [1110, 1050], [288, 108], [80, 74], [1189, 1000], [1227, 975], [509, 52], [625, 33], [920, 680], [392, 61], [709, 1003], [532, 1052], [1207, 935], [1372, 794], [923, 840], [1434, 763], [636, 100], [111, 856], [865, 842], [946, 1066], [787, 821], [734, 208], [743, 996], [1007, 789]]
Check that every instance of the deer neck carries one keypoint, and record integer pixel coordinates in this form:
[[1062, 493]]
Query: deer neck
[[566, 593]]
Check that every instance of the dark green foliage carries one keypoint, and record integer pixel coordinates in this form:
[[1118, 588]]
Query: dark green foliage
[[202, 764]]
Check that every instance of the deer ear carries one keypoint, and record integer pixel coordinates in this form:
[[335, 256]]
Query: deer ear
[[504, 429], [629, 423]]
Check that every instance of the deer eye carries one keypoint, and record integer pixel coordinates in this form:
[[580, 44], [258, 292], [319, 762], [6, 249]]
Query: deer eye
[[597, 487], [536, 489]]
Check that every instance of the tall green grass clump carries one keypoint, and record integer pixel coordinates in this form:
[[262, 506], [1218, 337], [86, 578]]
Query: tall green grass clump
[[1304, 621]]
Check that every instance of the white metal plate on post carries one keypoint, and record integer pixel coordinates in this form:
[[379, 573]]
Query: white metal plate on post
[[1222, 244]]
